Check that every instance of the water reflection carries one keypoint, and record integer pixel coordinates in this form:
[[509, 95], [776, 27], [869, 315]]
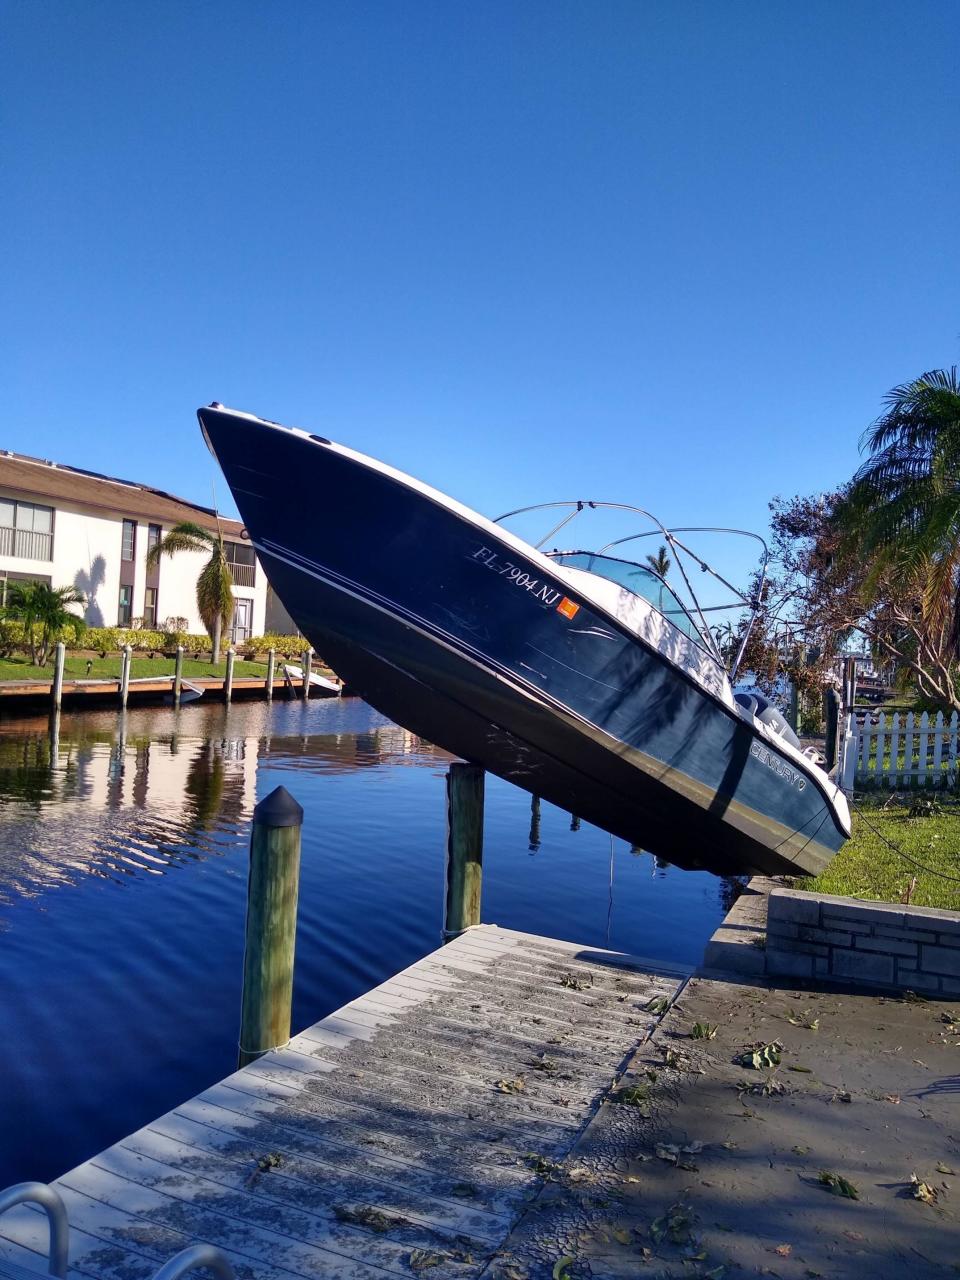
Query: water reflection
[[123, 892], [116, 794]]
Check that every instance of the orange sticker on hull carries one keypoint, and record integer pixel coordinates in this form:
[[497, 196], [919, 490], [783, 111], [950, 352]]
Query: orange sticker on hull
[[568, 608]]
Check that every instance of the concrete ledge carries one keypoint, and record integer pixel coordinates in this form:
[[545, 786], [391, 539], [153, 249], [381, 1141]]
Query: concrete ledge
[[873, 944], [780, 932]]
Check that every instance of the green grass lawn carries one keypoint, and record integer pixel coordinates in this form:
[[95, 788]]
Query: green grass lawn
[[866, 868], [109, 668]]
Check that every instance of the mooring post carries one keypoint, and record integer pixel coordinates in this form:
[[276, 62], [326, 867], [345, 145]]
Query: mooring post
[[228, 678], [464, 847], [125, 675], [271, 925], [534, 823], [57, 689], [307, 665], [850, 684], [178, 676], [574, 822], [831, 714], [271, 662]]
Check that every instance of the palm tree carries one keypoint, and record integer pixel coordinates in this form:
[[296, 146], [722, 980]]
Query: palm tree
[[903, 509], [660, 563], [215, 582], [38, 606]]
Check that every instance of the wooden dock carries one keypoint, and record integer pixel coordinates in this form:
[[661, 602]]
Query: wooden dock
[[403, 1135], [78, 693]]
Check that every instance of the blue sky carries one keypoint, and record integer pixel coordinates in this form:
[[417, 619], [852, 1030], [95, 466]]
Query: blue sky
[[663, 253]]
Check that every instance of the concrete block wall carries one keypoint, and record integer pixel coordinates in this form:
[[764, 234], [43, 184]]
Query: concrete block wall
[[873, 944]]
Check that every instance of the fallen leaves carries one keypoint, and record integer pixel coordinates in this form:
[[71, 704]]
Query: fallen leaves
[[675, 1225], [809, 1024], [574, 983], [365, 1215], [543, 1166], [422, 1259], [922, 1190], [678, 1155], [658, 1005], [516, 1085], [634, 1096], [761, 1056], [703, 1031], [838, 1185]]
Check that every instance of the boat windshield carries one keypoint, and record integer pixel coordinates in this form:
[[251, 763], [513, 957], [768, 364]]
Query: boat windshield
[[699, 613], [642, 582]]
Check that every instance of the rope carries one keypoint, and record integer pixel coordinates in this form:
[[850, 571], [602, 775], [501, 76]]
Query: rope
[[940, 875]]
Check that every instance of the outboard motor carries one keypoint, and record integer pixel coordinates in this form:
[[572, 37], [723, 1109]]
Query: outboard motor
[[764, 710]]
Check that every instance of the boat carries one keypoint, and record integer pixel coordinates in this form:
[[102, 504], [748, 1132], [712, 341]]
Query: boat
[[580, 676], [328, 688]]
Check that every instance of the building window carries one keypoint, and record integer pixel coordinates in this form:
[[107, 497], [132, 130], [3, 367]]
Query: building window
[[125, 606], [8, 580], [242, 561], [150, 608], [26, 530], [154, 534], [128, 546]]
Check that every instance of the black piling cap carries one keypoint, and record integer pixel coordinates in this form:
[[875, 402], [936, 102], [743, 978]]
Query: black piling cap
[[278, 809]]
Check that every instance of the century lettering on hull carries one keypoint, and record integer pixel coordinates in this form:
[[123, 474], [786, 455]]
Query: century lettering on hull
[[778, 765], [544, 594]]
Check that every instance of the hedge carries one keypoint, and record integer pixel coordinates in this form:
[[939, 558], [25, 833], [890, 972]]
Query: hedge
[[285, 646]]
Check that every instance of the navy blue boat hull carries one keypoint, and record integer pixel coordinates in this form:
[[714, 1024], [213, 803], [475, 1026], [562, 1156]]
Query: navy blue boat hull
[[412, 605]]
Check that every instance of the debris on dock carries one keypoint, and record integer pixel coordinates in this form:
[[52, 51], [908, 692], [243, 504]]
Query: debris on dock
[[404, 1134]]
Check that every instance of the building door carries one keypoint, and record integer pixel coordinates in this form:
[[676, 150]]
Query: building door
[[242, 621]]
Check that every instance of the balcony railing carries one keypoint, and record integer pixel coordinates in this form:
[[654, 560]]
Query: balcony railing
[[26, 544], [243, 574]]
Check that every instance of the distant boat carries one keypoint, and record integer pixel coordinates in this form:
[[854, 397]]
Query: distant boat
[[328, 687], [578, 675]]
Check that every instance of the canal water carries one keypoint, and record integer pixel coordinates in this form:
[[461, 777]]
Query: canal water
[[123, 859]]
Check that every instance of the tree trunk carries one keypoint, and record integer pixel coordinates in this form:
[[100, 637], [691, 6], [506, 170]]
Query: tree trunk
[[215, 647]]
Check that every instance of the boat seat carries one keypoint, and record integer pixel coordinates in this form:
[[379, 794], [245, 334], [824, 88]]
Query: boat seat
[[193, 1258]]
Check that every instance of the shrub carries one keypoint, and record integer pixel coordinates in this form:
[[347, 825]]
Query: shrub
[[111, 639], [12, 637], [285, 646]]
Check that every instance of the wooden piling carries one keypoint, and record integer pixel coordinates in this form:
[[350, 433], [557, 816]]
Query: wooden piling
[[125, 675], [574, 822], [271, 925], [271, 663], [307, 666], [849, 684], [228, 678], [59, 655], [831, 714], [178, 676], [534, 823], [464, 847]]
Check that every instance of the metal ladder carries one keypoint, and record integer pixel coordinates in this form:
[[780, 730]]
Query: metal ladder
[[191, 1259]]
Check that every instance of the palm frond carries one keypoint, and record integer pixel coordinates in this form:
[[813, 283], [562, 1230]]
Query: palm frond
[[185, 536]]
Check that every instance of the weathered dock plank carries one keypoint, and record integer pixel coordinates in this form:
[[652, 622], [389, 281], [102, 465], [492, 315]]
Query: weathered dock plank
[[404, 1131]]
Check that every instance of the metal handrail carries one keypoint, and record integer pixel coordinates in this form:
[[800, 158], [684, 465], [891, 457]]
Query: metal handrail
[[577, 505], [45, 1196], [192, 1259]]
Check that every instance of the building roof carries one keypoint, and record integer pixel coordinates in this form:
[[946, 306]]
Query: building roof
[[36, 478]]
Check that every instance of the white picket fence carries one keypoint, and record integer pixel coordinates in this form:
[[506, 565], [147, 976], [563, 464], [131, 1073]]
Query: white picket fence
[[899, 751]]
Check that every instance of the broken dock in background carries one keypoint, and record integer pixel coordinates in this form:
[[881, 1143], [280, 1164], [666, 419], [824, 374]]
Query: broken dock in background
[[405, 1133]]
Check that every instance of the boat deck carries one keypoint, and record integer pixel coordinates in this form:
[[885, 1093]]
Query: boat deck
[[404, 1134]]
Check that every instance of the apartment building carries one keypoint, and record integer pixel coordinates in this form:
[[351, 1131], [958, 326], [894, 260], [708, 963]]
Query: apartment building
[[69, 527]]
